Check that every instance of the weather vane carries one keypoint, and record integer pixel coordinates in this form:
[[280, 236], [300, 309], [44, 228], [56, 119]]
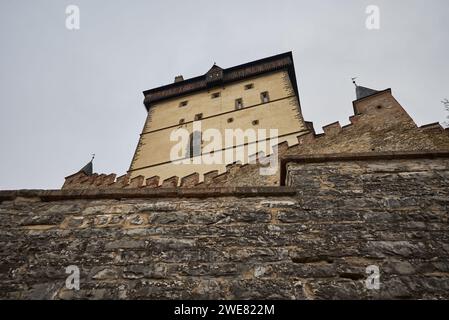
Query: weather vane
[[93, 157], [353, 81]]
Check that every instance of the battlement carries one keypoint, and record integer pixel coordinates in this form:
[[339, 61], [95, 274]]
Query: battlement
[[379, 124]]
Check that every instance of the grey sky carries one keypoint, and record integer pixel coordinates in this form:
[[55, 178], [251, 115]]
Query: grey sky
[[66, 94]]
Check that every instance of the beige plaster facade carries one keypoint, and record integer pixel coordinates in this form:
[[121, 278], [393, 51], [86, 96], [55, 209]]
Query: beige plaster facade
[[217, 106]]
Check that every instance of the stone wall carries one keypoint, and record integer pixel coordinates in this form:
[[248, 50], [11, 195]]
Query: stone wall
[[310, 240]]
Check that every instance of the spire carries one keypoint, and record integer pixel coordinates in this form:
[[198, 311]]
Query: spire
[[362, 92], [88, 169]]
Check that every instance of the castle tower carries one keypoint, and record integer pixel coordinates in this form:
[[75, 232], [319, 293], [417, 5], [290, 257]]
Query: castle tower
[[249, 98]]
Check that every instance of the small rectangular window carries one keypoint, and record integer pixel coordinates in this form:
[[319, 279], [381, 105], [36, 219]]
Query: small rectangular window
[[238, 104], [264, 97], [255, 122], [198, 116], [181, 121], [215, 95], [249, 86], [183, 104], [195, 145]]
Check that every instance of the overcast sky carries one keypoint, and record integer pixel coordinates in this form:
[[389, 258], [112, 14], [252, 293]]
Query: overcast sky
[[67, 94]]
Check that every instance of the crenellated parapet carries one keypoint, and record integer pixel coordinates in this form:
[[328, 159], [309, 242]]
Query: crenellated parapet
[[379, 124]]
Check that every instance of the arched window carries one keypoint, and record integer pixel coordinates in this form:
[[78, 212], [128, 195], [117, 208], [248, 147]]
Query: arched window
[[194, 147]]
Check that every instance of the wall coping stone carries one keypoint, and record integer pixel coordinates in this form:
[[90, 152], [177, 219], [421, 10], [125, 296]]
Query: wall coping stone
[[362, 156], [143, 193]]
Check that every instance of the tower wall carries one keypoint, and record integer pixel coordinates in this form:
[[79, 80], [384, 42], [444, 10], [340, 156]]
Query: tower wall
[[282, 112]]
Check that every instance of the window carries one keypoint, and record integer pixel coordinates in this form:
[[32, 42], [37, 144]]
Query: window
[[181, 121], [230, 120], [183, 104], [264, 97], [249, 86], [198, 116], [238, 104], [194, 147], [255, 122], [215, 95]]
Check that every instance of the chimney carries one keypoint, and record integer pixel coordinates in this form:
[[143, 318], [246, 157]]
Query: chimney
[[179, 78]]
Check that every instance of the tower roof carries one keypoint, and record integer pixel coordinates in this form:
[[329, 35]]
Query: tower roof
[[217, 76], [363, 92], [88, 169]]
